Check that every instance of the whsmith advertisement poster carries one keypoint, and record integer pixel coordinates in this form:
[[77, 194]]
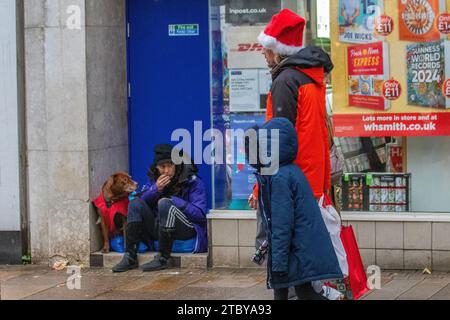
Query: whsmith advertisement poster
[[398, 85]]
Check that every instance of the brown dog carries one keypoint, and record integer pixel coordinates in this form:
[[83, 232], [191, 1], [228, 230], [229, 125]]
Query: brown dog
[[112, 205]]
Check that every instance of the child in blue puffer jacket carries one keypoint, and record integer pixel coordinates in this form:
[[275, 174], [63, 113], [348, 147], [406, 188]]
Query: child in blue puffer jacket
[[299, 246]]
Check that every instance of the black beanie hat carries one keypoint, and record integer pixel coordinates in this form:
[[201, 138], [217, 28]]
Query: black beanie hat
[[163, 152]]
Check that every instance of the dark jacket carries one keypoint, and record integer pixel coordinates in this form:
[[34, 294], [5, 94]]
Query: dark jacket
[[298, 94], [191, 199], [300, 248]]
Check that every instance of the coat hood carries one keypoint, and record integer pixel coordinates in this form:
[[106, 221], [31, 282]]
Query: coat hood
[[311, 60], [277, 141]]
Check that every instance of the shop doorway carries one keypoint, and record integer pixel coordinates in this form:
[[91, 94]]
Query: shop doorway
[[169, 76]]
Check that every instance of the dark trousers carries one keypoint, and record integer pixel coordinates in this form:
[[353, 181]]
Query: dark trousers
[[166, 217], [303, 292], [261, 233]]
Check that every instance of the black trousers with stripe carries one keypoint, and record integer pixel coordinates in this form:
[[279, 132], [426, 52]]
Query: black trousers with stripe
[[166, 216]]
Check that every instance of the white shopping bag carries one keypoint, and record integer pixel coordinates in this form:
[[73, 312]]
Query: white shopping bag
[[333, 222], [327, 292]]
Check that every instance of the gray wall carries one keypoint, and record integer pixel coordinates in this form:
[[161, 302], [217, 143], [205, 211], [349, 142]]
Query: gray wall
[[106, 89], [75, 83], [429, 163], [106, 96]]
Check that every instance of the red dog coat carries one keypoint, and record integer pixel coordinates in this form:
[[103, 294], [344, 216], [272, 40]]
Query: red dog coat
[[120, 207]]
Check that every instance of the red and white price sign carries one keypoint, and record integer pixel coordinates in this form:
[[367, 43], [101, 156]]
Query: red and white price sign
[[446, 88], [384, 25], [396, 157], [392, 89], [443, 23]]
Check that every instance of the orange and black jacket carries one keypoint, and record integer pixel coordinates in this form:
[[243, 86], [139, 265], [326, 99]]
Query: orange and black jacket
[[298, 93]]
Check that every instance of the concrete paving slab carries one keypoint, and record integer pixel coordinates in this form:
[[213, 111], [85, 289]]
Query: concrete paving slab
[[178, 271], [7, 273], [408, 274], [193, 284], [136, 284], [104, 283], [424, 290], [17, 293], [258, 292], [140, 273], [4, 275], [24, 286], [385, 280], [24, 268], [62, 293], [229, 281], [443, 294], [131, 295], [198, 293], [392, 289], [164, 283]]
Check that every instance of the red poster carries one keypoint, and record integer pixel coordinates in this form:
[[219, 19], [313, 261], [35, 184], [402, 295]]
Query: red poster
[[396, 158], [368, 68], [392, 124]]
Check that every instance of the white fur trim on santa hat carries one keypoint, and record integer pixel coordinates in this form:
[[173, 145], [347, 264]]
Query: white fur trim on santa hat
[[276, 46]]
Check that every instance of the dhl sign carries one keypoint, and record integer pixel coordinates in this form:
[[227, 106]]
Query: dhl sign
[[248, 47]]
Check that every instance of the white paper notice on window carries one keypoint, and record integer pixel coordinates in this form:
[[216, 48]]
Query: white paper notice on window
[[265, 81], [244, 90]]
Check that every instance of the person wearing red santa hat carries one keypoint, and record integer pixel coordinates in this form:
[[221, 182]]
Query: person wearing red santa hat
[[298, 93]]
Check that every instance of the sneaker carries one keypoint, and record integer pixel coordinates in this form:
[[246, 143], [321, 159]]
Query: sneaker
[[159, 263], [127, 263]]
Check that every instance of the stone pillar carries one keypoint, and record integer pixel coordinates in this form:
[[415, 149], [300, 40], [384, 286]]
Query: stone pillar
[[107, 97], [75, 86], [107, 94]]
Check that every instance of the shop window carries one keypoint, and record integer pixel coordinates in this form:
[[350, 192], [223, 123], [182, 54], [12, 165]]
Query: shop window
[[241, 82], [388, 96], [391, 102]]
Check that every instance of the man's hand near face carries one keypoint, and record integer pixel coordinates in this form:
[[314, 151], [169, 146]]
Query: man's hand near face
[[162, 182]]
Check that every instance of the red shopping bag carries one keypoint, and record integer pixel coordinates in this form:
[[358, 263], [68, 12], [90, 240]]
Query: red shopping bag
[[357, 274]]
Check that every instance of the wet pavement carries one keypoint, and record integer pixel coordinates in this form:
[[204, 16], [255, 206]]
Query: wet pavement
[[42, 283]]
